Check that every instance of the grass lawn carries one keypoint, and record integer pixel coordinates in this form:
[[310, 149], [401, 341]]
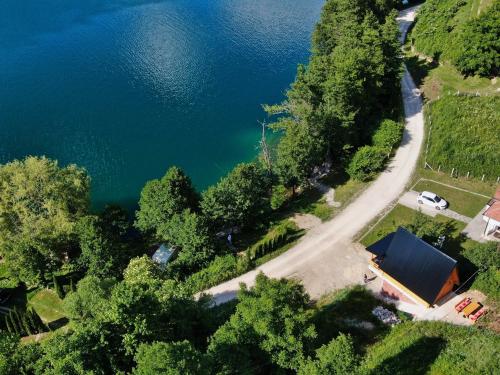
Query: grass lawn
[[485, 188], [401, 216], [460, 201], [47, 305], [311, 201]]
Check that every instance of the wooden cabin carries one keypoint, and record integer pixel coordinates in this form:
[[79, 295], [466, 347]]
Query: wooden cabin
[[412, 270]]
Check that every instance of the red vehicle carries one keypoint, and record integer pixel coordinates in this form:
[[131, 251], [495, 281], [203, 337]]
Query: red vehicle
[[462, 304], [479, 313]]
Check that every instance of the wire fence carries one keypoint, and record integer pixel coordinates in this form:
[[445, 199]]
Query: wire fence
[[455, 172]]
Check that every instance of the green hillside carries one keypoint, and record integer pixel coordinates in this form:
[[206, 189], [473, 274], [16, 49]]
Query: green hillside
[[434, 348], [464, 135]]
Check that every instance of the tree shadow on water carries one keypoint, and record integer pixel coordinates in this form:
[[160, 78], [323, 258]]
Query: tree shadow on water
[[414, 360]]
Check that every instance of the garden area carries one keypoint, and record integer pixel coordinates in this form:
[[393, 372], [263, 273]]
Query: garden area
[[460, 201]]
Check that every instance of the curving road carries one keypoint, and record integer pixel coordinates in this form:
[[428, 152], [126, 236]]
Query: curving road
[[326, 258]]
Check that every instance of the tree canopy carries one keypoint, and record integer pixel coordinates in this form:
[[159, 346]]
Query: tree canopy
[[238, 198], [40, 205], [454, 31], [163, 198]]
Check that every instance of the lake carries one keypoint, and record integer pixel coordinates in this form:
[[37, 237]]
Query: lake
[[129, 88]]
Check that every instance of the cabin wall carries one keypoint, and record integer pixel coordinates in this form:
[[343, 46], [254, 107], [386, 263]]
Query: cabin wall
[[449, 284]]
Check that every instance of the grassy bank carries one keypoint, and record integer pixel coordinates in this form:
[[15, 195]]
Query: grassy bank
[[464, 136], [415, 348]]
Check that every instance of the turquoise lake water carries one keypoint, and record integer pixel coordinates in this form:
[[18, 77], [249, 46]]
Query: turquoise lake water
[[128, 88]]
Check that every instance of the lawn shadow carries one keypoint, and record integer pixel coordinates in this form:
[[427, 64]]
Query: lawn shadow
[[18, 298], [55, 324], [414, 360], [419, 68], [350, 311]]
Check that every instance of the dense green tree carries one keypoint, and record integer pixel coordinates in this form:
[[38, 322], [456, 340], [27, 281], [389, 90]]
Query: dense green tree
[[107, 242], [279, 196], [271, 316], [335, 358], [428, 229], [297, 154], [144, 271], [97, 252], [388, 135], [479, 44], [238, 198], [90, 300], [40, 204], [462, 32], [352, 77], [190, 234], [17, 358], [178, 358], [85, 350], [161, 199]]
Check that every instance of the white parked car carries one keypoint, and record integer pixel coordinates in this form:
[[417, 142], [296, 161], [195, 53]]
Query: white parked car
[[431, 199]]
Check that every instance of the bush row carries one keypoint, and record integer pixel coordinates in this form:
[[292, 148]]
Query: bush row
[[220, 269], [272, 241], [24, 323]]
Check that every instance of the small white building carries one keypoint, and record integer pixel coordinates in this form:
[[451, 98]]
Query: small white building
[[162, 255], [492, 216]]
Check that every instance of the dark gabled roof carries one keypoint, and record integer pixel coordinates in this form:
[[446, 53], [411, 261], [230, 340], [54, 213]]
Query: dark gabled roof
[[379, 248], [414, 263]]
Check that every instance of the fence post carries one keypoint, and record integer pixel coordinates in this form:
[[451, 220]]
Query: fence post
[[439, 167], [452, 170], [468, 175], [482, 179]]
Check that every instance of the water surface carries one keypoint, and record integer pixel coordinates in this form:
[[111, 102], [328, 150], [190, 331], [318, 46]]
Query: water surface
[[128, 88]]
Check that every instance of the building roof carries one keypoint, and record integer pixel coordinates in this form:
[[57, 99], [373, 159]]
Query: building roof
[[414, 263], [493, 212], [162, 255], [497, 193]]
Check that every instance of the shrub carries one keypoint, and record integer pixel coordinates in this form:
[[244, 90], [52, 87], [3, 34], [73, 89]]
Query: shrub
[[487, 258], [388, 135], [222, 268], [367, 161], [279, 196], [57, 287]]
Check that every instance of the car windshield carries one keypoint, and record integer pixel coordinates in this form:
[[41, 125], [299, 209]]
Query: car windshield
[[437, 199]]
